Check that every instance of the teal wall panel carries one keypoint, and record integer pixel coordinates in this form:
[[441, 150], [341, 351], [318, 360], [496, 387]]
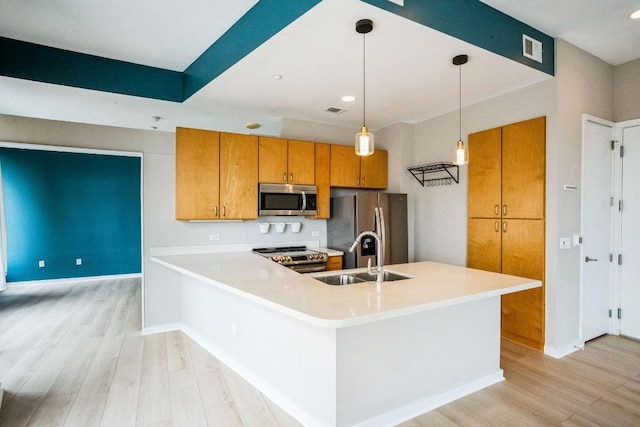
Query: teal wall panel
[[63, 206]]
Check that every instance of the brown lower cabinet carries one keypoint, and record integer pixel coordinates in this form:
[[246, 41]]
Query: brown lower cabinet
[[334, 263], [515, 247]]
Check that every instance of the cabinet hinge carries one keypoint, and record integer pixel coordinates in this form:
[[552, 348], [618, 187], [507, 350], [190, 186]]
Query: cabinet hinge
[[610, 257], [622, 151], [610, 313], [619, 313], [619, 259], [620, 205]]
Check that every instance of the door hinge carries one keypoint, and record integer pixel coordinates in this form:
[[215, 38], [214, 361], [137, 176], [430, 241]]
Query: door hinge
[[619, 313], [620, 205], [619, 259], [610, 257], [613, 145], [622, 151], [610, 313], [612, 202]]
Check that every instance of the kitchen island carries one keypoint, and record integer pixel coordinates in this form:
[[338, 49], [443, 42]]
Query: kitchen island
[[347, 355]]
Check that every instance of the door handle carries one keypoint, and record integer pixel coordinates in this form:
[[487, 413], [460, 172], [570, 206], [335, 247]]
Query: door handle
[[587, 259]]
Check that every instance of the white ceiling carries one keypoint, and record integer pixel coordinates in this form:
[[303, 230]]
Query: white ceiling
[[409, 75]]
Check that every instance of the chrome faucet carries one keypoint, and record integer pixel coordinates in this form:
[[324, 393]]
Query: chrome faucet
[[378, 270]]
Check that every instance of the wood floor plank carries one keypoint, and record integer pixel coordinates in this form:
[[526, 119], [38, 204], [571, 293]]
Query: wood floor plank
[[251, 406], [154, 405], [186, 406]]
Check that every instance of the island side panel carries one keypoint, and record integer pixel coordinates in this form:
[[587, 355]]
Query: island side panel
[[393, 370], [290, 361]]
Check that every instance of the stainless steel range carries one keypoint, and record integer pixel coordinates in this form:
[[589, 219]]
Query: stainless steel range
[[297, 258]]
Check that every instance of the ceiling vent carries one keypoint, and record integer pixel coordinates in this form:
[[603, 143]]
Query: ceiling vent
[[335, 110], [531, 48]]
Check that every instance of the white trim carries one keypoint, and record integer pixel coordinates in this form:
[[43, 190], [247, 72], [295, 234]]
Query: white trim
[[422, 406], [560, 352], [64, 149], [169, 327], [73, 280]]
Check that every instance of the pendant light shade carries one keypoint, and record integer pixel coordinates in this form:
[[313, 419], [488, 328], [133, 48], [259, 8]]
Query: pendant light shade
[[364, 139], [461, 153]]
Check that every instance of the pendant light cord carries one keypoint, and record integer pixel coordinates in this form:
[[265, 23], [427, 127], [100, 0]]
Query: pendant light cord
[[364, 85], [460, 102]]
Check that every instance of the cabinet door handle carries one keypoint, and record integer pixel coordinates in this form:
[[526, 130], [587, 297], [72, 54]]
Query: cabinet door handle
[[215, 211], [224, 211], [358, 182], [284, 177], [291, 178], [497, 210], [497, 226], [504, 226], [587, 259], [504, 209], [363, 181]]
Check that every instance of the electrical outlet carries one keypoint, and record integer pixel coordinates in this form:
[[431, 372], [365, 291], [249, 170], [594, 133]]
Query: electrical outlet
[[565, 243], [41, 263], [78, 261], [214, 237], [315, 234]]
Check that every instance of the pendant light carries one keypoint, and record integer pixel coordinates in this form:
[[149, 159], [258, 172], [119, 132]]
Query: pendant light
[[364, 139], [461, 153]]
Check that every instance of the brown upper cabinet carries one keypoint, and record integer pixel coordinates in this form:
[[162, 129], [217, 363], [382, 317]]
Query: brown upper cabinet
[[507, 172], [351, 171], [216, 175], [323, 177], [286, 161]]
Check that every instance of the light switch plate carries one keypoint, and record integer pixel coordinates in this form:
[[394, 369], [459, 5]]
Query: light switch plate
[[565, 243]]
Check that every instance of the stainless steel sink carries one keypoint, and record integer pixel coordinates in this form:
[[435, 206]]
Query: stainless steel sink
[[387, 276], [351, 278], [340, 279]]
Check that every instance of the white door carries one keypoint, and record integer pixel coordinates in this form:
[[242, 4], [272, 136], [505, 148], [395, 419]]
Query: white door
[[630, 233], [597, 192]]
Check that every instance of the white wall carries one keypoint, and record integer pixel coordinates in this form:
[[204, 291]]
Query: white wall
[[626, 78], [160, 227]]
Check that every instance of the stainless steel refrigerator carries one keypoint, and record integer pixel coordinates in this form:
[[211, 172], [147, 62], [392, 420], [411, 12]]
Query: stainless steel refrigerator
[[355, 213]]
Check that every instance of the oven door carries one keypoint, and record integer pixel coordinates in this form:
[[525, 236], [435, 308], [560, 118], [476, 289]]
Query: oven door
[[309, 268]]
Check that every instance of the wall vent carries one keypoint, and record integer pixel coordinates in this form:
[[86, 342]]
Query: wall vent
[[335, 110], [531, 48]]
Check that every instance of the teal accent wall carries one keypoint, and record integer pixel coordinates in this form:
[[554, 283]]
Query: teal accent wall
[[63, 206], [478, 24]]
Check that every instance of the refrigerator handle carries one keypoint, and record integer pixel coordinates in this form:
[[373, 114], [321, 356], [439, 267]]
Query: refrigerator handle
[[380, 229]]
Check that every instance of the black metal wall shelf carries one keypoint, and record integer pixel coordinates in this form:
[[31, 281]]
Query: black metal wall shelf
[[443, 174]]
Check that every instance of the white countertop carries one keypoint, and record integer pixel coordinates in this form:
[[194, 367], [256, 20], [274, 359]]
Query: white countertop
[[433, 285]]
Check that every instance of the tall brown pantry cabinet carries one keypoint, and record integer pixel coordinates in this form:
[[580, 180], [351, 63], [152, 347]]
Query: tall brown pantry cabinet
[[506, 219]]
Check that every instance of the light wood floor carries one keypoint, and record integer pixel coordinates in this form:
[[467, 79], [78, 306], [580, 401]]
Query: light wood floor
[[72, 354]]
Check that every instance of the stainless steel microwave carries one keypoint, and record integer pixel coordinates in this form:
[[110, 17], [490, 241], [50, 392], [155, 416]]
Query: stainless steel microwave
[[287, 199]]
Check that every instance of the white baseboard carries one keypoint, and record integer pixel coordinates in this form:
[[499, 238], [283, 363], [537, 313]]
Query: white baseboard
[[73, 280], [565, 350], [170, 327], [408, 412]]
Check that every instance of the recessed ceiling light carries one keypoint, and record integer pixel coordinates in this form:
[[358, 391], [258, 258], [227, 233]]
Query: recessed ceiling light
[[277, 77], [635, 15], [349, 98]]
